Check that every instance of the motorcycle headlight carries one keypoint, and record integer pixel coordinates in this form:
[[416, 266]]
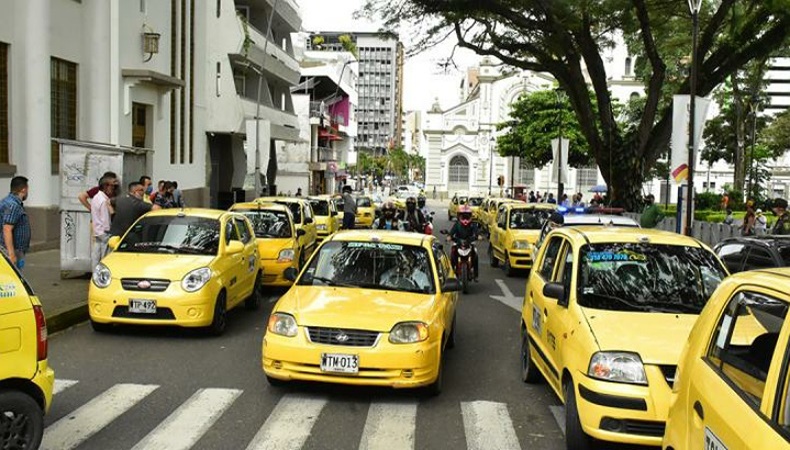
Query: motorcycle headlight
[[408, 333], [622, 367], [286, 255], [101, 276], [521, 245], [282, 324], [196, 279]]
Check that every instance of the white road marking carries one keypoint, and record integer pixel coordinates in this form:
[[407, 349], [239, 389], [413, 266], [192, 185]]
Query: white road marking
[[75, 428], [559, 415], [488, 426], [507, 296], [62, 385], [389, 426], [289, 424], [184, 427]]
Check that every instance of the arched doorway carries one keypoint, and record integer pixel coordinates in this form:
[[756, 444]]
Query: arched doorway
[[458, 179]]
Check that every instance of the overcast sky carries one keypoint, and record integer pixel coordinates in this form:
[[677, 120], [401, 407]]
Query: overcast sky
[[423, 79]]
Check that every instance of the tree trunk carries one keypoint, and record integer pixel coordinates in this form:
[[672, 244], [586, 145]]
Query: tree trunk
[[624, 178], [739, 178]]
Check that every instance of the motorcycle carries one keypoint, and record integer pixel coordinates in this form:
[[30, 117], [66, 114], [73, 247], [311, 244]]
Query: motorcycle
[[464, 267], [429, 224]]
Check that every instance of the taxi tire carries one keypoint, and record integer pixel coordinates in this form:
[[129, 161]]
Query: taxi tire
[[451, 337], [219, 321], [529, 372], [575, 437], [23, 407], [509, 270], [99, 327], [492, 258], [253, 302]]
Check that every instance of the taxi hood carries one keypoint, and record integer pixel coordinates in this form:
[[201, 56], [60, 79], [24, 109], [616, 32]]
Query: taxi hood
[[269, 248], [658, 338], [154, 265], [364, 309]]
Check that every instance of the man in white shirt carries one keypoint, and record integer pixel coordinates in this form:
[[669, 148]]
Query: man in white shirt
[[100, 216]]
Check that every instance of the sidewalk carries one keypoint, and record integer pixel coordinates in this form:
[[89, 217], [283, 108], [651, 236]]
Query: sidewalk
[[65, 301]]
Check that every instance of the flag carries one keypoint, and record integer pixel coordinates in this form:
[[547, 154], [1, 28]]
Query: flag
[[564, 168], [680, 133]]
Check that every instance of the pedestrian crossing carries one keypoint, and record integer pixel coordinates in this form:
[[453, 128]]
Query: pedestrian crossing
[[389, 425]]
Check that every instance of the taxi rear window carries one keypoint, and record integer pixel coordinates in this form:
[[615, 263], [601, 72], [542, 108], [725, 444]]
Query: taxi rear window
[[268, 224], [647, 277], [475, 201], [320, 207]]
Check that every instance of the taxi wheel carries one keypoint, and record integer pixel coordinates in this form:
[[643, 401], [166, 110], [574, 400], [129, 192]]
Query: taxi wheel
[[529, 373], [575, 438], [220, 320], [492, 259], [253, 302], [22, 423], [451, 338], [509, 271]]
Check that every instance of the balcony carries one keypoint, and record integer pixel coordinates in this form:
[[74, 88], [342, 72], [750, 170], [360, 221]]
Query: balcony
[[275, 61], [284, 125]]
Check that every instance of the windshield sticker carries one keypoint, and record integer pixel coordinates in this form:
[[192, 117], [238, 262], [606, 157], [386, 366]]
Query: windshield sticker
[[375, 245], [622, 255], [7, 290]]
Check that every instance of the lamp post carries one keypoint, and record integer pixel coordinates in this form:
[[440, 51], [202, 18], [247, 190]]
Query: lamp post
[[755, 102], [490, 163], [694, 7], [560, 93]]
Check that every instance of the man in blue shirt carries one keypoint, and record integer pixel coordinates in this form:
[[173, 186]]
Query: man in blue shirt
[[16, 226]]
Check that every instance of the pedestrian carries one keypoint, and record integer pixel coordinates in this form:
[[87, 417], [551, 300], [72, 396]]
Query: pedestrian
[[747, 227], [729, 219], [165, 198], [160, 189], [178, 198], [298, 192], [782, 225], [651, 215], [760, 223], [148, 187], [129, 208], [16, 226], [550, 199], [434, 192], [532, 198], [349, 208], [564, 201], [100, 218], [85, 197], [725, 202]]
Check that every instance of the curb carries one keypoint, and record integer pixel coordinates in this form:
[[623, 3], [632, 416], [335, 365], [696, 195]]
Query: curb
[[67, 317]]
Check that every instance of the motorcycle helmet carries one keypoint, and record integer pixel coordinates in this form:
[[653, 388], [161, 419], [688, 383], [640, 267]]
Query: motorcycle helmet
[[421, 201], [388, 210], [411, 204], [465, 215]]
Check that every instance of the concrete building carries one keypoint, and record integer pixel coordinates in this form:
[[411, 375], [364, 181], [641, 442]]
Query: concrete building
[[412, 141], [380, 85]]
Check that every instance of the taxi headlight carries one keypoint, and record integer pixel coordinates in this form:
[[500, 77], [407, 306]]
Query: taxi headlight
[[286, 255], [521, 245], [622, 367], [101, 276], [282, 324], [320, 227], [408, 333], [196, 279]]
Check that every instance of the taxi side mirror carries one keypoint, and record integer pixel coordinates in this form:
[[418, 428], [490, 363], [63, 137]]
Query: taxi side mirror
[[557, 292], [451, 285], [113, 242], [300, 232], [290, 274], [234, 247]]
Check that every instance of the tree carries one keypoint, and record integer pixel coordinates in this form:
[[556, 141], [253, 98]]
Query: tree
[[348, 44], [777, 135], [566, 39]]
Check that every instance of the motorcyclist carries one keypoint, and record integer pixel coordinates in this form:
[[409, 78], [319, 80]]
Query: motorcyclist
[[464, 229], [413, 218], [388, 219], [422, 207]]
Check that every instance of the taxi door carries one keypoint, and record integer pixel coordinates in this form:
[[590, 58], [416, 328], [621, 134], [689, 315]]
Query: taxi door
[[17, 326], [250, 255], [232, 266], [449, 299], [499, 233], [309, 228], [537, 309], [734, 386], [556, 314]]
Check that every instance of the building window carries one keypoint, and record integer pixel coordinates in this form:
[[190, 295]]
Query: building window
[[628, 66], [4, 103], [586, 177], [64, 105]]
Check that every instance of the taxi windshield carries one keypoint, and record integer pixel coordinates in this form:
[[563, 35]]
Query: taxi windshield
[[268, 224], [296, 210], [647, 277], [320, 207], [475, 201], [363, 202], [172, 234], [528, 219], [371, 265]]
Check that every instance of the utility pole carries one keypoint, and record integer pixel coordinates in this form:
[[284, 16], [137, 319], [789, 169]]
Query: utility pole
[[694, 7]]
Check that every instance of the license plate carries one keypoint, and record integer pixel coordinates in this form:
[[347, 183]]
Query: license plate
[[339, 363], [712, 442], [142, 306]]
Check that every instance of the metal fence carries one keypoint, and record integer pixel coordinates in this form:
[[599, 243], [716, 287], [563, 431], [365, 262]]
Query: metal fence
[[707, 232]]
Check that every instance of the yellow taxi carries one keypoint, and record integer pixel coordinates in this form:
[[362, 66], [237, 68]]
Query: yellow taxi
[[371, 308], [302, 213], [494, 204], [327, 218], [606, 313], [184, 267], [516, 229], [26, 380], [475, 202], [732, 389], [366, 212], [277, 238], [458, 199]]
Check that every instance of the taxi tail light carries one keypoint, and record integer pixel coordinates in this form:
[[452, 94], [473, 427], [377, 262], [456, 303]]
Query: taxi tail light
[[41, 333]]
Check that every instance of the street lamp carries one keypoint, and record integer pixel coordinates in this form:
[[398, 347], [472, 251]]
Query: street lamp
[[755, 103], [490, 163], [560, 97], [694, 7]]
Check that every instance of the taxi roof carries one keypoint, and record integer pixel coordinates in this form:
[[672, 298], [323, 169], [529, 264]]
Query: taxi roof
[[541, 206], [281, 199], [764, 276], [391, 237], [598, 219], [260, 205], [598, 234], [323, 197], [193, 212]]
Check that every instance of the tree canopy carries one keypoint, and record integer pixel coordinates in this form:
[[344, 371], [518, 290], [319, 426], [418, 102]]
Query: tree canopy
[[567, 38]]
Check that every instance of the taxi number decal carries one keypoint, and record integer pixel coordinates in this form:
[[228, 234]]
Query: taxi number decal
[[552, 340], [712, 442], [7, 290], [374, 245], [536, 321], [622, 255]]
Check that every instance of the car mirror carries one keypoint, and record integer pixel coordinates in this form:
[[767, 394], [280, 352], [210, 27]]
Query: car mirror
[[300, 232], [234, 247], [290, 274], [308, 220], [113, 242], [557, 292], [451, 285]]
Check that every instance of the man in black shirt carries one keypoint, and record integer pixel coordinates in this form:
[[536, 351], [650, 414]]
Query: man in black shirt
[[129, 208]]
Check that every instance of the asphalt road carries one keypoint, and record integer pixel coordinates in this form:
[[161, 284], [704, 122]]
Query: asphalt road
[[173, 388]]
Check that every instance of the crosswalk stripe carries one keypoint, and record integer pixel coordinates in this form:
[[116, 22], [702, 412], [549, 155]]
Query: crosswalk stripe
[[62, 385], [84, 422], [389, 426], [487, 425], [184, 427], [289, 424]]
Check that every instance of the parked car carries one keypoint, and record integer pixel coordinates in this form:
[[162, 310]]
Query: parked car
[[754, 252], [731, 387], [26, 380]]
